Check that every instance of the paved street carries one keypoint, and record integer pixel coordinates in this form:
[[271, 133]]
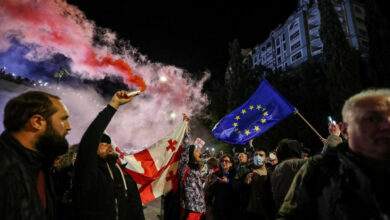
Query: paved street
[[152, 210]]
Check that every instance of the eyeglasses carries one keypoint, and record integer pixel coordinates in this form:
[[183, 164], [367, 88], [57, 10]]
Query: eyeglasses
[[226, 161]]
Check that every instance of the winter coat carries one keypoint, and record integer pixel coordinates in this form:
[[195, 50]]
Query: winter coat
[[337, 185], [192, 195], [19, 170], [241, 189], [224, 196], [260, 197], [282, 178], [97, 194]]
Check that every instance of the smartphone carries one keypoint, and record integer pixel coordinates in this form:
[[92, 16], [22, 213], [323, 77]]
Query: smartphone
[[331, 120]]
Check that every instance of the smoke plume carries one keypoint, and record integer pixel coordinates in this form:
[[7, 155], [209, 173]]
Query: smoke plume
[[38, 37]]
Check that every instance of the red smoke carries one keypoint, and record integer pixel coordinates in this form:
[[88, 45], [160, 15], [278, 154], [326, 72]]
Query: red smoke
[[55, 24], [50, 27], [119, 64]]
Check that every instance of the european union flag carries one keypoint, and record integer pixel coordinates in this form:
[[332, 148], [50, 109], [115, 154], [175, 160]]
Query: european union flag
[[265, 108]]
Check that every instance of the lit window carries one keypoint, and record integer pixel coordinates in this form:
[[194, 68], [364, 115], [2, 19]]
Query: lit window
[[296, 45], [294, 35], [292, 25], [296, 56]]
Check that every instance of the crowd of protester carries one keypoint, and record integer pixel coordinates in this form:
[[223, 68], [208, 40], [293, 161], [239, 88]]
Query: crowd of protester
[[42, 178], [242, 185], [348, 179]]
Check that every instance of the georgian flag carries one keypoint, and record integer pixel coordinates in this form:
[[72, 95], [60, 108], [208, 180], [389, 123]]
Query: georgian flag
[[154, 169], [199, 142]]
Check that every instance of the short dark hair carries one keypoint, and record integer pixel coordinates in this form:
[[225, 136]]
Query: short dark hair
[[266, 151], [19, 110], [288, 148], [213, 162], [230, 158]]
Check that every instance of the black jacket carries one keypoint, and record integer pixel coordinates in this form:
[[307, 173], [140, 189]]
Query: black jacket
[[19, 170], [224, 196], [337, 185], [282, 178], [96, 195]]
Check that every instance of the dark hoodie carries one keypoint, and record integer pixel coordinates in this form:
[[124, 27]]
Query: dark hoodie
[[97, 194], [289, 154]]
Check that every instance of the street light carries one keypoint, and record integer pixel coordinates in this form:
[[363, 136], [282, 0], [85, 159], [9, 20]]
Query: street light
[[163, 79]]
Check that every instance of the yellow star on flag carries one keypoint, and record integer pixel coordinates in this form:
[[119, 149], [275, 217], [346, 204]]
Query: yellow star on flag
[[243, 111], [247, 132], [251, 107], [257, 128], [235, 124], [236, 129], [263, 121], [265, 113], [263, 109], [258, 107], [237, 117]]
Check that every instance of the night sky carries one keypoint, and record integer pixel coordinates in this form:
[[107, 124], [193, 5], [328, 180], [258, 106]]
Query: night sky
[[193, 36]]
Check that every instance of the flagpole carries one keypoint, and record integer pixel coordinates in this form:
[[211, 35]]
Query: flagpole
[[315, 131]]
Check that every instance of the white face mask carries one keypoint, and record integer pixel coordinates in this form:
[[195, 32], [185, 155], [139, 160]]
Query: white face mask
[[258, 160], [272, 156]]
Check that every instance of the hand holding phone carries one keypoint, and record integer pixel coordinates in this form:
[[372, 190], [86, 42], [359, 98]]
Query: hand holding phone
[[333, 122], [333, 128]]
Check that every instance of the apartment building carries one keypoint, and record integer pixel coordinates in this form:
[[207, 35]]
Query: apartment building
[[298, 38]]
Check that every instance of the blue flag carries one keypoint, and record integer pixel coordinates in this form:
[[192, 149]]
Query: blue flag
[[265, 108]]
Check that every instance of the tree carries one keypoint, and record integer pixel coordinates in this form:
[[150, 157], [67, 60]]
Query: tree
[[236, 77], [379, 45], [341, 60]]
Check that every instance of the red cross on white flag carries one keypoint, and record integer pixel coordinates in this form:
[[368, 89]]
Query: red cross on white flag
[[199, 142], [155, 169]]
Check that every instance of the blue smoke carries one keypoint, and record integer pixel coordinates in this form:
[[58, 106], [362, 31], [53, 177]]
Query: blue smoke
[[15, 61]]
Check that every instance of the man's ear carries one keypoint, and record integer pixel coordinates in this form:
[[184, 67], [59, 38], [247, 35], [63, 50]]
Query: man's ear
[[344, 130], [37, 122]]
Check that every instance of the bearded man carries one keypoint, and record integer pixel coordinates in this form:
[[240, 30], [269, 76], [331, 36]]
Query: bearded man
[[36, 124]]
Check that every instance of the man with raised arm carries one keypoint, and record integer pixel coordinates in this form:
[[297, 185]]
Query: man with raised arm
[[101, 189]]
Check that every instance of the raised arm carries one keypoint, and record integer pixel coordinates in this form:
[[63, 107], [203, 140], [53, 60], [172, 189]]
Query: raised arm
[[86, 161], [184, 157]]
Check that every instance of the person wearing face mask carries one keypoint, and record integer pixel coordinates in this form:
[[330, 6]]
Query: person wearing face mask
[[260, 203]]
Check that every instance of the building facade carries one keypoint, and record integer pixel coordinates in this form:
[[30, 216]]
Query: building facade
[[298, 38]]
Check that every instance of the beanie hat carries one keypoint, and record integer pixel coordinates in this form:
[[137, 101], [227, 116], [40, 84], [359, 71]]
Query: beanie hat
[[105, 139]]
